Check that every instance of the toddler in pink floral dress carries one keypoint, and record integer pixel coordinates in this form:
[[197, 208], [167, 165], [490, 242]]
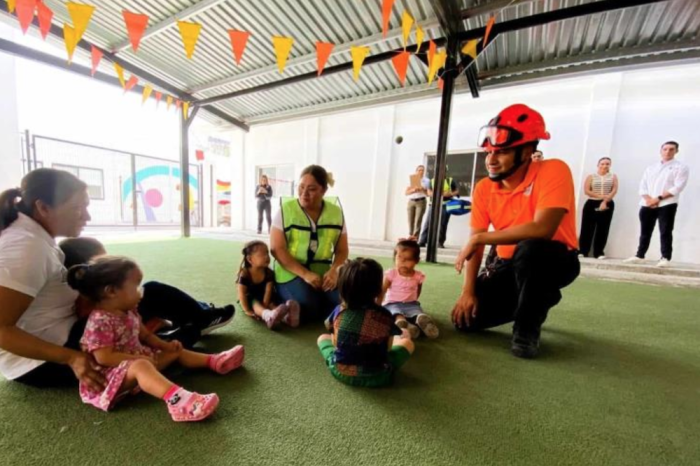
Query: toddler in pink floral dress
[[131, 357]]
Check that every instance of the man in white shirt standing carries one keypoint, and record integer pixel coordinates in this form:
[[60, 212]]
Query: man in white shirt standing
[[660, 189]]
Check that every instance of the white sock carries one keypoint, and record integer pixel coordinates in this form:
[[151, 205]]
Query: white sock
[[267, 315]]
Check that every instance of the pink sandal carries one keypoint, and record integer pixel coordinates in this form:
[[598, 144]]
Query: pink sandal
[[196, 408], [225, 362]]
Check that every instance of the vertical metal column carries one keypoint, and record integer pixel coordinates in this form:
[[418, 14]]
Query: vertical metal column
[[448, 84], [185, 123], [28, 149], [134, 195]]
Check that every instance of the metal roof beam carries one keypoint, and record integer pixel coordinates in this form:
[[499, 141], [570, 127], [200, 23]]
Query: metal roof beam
[[158, 28]]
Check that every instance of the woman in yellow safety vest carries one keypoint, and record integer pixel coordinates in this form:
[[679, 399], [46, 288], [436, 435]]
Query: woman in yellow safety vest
[[309, 242]]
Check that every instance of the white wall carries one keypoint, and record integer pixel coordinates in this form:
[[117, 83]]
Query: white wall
[[10, 151], [623, 115]]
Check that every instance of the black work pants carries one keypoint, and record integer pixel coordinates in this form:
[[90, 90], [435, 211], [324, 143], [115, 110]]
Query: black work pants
[[523, 289], [444, 221], [667, 218], [595, 226], [265, 206]]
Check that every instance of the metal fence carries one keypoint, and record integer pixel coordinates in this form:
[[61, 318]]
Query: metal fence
[[125, 189]]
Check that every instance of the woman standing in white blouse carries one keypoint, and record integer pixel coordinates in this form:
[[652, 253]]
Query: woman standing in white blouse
[[600, 188]]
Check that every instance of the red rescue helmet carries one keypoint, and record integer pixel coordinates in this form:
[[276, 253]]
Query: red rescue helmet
[[514, 126]]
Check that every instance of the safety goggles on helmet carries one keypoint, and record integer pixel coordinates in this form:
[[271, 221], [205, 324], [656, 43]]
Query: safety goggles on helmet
[[498, 136]]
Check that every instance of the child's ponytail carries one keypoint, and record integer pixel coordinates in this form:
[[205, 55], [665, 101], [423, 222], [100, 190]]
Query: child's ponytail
[[248, 249]]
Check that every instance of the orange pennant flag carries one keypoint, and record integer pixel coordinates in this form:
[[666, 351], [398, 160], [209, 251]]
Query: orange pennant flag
[[71, 40], [406, 25], [120, 73], [323, 51], [489, 25], [470, 48], [190, 34], [135, 26], [168, 102], [441, 83], [25, 13], [186, 109], [96, 57], [358, 58], [159, 96], [419, 37], [432, 48], [400, 62], [147, 89], [438, 62], [178, 103], [81, 15], [45, 16], [131, 83], [387, 5], [239, 39], [11, 5], [283, 45]]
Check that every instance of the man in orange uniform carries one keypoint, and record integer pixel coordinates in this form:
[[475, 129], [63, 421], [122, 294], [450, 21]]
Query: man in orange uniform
[[532, 210]]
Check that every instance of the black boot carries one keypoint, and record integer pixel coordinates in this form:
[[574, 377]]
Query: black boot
[[525, 344]]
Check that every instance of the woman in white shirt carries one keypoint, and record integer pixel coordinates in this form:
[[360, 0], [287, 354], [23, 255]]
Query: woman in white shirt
[[600, 188], [39, 330]]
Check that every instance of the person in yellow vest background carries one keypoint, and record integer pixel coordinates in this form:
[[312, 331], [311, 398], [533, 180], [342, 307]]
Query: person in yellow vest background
[[309, 241], [449, 190]]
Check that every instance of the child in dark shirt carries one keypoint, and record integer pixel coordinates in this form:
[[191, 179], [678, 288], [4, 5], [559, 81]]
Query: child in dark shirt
[[366, 347]]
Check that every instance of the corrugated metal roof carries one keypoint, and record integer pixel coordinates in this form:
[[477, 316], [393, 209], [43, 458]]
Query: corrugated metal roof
[[609, 38]]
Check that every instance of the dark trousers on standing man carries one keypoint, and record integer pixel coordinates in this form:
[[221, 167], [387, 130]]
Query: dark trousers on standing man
[[523, 289], [667, 219], [264, 205], [595, 226], [444, 220]]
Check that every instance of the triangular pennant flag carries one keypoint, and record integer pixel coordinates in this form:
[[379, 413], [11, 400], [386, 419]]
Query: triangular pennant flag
[[96, 56], [419, 37], [80, 14], [190, 34], [159, 96], [358, 57], [45, 16], [135, 26], [131, 83], [400, 62], [437, 62], [441, 83], [406, 25], [25, 13], [11, 5], [283, 45], [470, 48], [489, 25], [147, 89], [323, 51], [120, 73], [178, 103], [432, 48], [239, 39], [387, 5], [186, 109], [71, 40], [168, 102]]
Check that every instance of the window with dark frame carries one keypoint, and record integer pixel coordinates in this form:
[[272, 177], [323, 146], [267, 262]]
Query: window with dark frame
[[466, 167]]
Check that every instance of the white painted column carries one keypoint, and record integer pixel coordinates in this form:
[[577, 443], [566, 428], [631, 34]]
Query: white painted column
[[381, 173], [10, 149], [600, 128], [238, 179]]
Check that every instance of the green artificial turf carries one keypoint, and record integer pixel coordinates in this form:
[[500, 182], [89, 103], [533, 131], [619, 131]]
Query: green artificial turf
[[617, 383]]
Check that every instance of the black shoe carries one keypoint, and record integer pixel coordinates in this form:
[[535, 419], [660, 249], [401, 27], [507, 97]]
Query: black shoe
[[421, 245], [217, 317], [441, 246], [525, 345], [188, 334]]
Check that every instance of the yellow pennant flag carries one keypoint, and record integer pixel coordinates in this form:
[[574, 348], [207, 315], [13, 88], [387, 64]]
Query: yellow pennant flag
[[80, 14], [358, 57], [437, 63], [168, 102], [470, 48], [147, 89], [71, 40], [11, 4], [406, 25], [186, 109], [120, 74], [282, 45], [419, 37], [190, 34]]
